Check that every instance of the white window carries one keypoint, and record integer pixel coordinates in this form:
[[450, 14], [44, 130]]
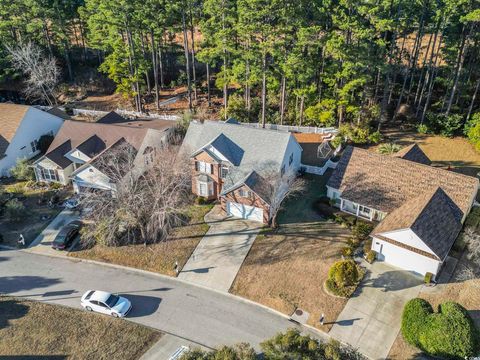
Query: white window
[[282, 172], [224, 172], [205, 189], [49, 174], [203, 167], [364, 209], [34, 145], [291, 159], [244, 193]]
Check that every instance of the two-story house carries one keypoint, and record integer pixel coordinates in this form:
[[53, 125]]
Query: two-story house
[[21, 127], [232, 163], [75, 152]]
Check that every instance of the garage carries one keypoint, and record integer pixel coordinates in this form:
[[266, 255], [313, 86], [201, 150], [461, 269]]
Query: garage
[[244, 211]]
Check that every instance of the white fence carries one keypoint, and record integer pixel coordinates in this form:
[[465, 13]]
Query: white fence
[[301, 129], [316, 170]]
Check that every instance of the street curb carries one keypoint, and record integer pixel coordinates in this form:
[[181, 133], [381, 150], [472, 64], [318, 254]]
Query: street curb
[[319, 333]]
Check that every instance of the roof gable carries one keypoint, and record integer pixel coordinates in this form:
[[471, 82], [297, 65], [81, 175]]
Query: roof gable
[[112, 118], [226, 147], [433, 217], [413, 153], [11, 116]]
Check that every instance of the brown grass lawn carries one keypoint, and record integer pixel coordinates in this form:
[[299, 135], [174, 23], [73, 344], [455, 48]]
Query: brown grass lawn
[[456, 153], [157, 257], [32, 224], [287, 268], [35, 329]]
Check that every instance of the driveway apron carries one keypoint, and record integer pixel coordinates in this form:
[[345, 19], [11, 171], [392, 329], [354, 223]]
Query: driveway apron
[[43, 242], [371, 318], [219, 255]]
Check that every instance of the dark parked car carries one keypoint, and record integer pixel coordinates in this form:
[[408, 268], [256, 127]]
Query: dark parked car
[[66, 235]]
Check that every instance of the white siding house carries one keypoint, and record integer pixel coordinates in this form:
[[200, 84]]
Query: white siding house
[[21, 127]]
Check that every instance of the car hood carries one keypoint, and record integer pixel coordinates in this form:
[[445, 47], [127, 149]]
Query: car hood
[[122, 305]]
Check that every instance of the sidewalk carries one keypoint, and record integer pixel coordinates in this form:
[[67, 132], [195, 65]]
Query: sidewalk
[[167, 346]]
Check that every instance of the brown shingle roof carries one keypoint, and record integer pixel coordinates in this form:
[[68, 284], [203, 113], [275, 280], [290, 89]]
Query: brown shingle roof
[[385, 182], [433, 216], [76, 133], [413, 153], [11, 115]]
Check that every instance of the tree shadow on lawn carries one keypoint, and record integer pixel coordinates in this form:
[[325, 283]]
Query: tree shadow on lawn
[[11, 310]]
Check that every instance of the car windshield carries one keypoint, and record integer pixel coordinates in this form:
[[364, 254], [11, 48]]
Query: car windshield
[[60, 239], [112, 300]]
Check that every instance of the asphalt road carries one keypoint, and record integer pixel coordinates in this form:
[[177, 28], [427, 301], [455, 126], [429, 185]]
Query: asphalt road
[[196, 314]]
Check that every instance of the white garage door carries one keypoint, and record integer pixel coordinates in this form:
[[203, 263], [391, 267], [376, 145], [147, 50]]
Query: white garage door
[[244, 211]]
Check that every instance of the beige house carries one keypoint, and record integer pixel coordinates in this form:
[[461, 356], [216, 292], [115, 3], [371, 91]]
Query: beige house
[[74, 154], [420, 208]]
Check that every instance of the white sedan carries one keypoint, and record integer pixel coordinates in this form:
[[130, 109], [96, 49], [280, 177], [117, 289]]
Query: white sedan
[[106, 303]]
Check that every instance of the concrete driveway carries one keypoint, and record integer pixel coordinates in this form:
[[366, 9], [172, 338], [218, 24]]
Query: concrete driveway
[[43, 242], [219, 255], [371, 319]]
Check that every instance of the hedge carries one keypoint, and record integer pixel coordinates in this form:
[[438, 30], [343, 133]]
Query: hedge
[[449, 333]]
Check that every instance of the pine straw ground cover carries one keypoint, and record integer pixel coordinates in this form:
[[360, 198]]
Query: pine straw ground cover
[[456, 153], [34, 329], [156, 257]]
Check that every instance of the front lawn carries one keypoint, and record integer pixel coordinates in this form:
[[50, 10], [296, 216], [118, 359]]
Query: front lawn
[[33, 329], [156, 257], [287, 268], [37, 214]]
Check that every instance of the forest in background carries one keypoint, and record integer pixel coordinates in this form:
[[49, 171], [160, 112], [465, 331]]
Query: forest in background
[[355, 65]]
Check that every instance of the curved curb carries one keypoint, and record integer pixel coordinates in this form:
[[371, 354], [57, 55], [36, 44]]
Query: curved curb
[[322, 335]]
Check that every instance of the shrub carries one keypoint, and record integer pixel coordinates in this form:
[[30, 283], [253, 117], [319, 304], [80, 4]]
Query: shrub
[[22, 170], [444, 125], [371, 256], [15, 210], [361, 230], [367, 246], [347, 251], [200, 200], [473, 130], [450, 333], [414, 316], [422, 129], [388, 148], [428, 278], [473, 219], [323, 113], [343, 277]]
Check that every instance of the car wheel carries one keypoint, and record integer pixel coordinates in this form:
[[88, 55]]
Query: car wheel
[[88, 308], [114, 314]]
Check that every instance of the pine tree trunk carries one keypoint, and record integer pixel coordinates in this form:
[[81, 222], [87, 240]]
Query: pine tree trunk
[[144, 53], [458, 70], [264, 88], [422, 73], [187, 61], [155, 69], [194, 71], [283, 99], [302, 106], [472, 103], [160, 64], [208, 85]]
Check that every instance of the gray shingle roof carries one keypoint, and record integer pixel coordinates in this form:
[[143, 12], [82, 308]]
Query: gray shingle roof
[[432, 216], [263, 150]]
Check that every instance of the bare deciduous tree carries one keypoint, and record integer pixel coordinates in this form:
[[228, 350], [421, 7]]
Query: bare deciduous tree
[[148, 197], [473, 243], [42, 72]]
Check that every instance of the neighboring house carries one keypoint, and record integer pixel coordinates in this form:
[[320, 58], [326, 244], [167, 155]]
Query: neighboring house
[[231, 162], [21, 127], [74, 155], [420, 208]]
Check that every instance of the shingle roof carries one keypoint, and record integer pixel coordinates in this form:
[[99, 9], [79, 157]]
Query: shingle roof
[[57, 155], [413, 153], [11, 115], [79, 132], [432, 216], [385, 182], [264, 150], [112, 118], [92, 146], [59, 113], [228, 148]]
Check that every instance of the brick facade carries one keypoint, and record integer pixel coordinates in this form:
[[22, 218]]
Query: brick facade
[[214, 175], [253, 200]]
